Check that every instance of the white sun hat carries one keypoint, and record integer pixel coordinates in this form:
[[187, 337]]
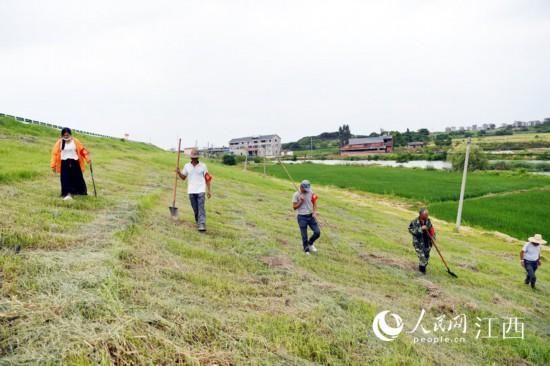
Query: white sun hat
[[537, 239]]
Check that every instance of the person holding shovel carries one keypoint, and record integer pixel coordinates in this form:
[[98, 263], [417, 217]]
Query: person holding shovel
[[304, 203], [422, 231], [530, 258], [198, 186], [69, 158]]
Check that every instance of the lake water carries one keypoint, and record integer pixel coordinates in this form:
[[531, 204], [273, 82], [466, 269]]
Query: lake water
[[436, 164]]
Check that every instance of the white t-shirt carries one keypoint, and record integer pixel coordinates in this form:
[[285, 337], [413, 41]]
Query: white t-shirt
[[69, 152], [531, 252], [196, 182]]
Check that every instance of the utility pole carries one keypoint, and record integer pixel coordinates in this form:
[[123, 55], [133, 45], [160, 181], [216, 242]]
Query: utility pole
[[265, 168], [463, 186]]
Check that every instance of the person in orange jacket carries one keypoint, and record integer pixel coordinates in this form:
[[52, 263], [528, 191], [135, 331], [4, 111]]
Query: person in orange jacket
[[69, 158]]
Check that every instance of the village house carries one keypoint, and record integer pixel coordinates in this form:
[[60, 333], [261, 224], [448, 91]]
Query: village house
[[264, 145], [214, 151], [187, 151], [415, 145], [368, 145]]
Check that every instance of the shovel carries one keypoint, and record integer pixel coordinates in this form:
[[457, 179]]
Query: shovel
[[173, 208], [441, 255]]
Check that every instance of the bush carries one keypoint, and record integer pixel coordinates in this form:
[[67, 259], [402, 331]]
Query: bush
[[403, 158], [229, 160], [258, 160], [504, 132], [477, 160]]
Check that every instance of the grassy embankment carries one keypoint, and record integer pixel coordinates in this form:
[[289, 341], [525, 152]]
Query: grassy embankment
[[115, 281]]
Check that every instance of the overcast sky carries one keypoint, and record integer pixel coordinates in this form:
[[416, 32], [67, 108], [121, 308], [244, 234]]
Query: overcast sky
[[212, 70]]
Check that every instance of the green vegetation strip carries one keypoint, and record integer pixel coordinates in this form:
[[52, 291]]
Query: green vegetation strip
[[416, 184]]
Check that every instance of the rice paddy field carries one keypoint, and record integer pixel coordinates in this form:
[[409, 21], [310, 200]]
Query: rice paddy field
[[519, 214], [515, 204]]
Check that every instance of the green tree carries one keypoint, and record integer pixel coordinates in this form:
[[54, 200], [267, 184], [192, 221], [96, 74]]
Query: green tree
[[443, 139], [229, 160], [398, 139], [477, 160], [424, 131], [344, 134]]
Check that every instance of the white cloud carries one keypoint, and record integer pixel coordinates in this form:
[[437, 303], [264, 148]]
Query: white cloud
[[212, 70]]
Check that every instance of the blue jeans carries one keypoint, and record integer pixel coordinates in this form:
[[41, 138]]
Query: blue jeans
[[531, 268], [304, 221], [197, 202]]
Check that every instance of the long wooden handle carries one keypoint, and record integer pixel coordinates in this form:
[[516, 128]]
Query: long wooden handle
[[177, 167], [288, 174], [438, 252]]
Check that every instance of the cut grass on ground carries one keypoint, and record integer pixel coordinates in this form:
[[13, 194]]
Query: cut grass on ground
[[116, 281]]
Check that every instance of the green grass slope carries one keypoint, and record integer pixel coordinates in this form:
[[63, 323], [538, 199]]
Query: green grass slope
[[114, 280]]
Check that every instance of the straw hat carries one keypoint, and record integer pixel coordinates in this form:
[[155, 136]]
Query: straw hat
[[194, 153], [537, 239]]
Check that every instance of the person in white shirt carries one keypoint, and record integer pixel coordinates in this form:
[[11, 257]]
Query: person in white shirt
[[530, 258], [198, 186]]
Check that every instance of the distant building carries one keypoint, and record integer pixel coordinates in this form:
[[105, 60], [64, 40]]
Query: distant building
[[263, 145], [187, 151], [415, 145], [215, 151], [368, 145]]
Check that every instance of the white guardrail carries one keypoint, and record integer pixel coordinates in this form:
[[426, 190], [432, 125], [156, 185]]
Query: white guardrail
[[45, 124]]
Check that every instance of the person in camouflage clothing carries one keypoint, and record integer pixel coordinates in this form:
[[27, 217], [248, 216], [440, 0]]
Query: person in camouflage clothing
[[421, 229]]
